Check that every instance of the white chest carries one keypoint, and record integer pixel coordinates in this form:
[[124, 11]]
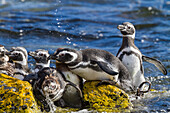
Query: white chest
[[71, 77], [90, 74], [133, 64]]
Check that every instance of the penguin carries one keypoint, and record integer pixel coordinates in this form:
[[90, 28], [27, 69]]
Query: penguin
[[68, 75], [42, 58], [19, 56], [132, 58], [52, 90], [5, 66], [95, 64]]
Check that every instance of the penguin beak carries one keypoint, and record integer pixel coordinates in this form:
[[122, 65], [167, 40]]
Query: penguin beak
[[8, 53], [31, 53], [53, 57], [48, 58], [121, 27]]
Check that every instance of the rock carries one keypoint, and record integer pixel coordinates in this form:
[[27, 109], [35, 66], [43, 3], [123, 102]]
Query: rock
[[106, 98], [16, 96]]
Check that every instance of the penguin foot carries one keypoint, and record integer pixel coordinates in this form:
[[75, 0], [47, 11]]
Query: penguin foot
[[106, 82], [140, 92]]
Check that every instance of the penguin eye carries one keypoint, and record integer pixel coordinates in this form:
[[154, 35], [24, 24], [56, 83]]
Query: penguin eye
[[16, 54], [129, 27], [41, 54], [62, 55]]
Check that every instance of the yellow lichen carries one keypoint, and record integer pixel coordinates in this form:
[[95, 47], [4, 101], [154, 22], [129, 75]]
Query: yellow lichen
[[106, 98], [16, 96]]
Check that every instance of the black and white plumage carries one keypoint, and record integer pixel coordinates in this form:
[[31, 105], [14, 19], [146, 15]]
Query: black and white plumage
[[131, 56], [19, 56], [94, 64], [69, 76], [53, 90], [42, 58], [5, 66]]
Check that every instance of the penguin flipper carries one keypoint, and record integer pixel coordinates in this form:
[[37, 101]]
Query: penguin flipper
[[107, 67], [156, 62], [76, 87]]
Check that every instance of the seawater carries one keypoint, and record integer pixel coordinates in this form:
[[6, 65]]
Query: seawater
[[80, 24]]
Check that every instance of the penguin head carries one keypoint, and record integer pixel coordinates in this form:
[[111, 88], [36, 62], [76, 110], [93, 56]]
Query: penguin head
[[3, 51], [19, 55], [40, 56], [49, 81], [127, 29], [3, 57], [65, 55]]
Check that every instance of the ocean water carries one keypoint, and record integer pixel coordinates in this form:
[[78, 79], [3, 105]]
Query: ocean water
[[80, 24]]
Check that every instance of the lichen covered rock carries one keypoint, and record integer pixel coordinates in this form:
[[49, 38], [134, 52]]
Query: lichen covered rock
[[16, 96], [106, 98]]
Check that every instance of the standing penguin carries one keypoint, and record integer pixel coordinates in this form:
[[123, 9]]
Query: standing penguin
[[131, 56], [5, 66], [19, 56], [95, 64], [42, 58]]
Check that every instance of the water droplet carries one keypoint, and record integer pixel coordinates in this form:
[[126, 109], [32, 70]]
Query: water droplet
[[142, 41], [101, 35], [68, 38], [157, 39], [149, 8], [74, 44], [21, 31]]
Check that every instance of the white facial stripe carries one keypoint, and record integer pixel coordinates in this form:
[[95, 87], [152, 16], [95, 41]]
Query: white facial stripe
[[24, 62], [75, 56], [86, 63], [80, 63], [130, 36], [2, 49], [22, 49], [44, 65], [129, 25], [128, 49], [43, 52]]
